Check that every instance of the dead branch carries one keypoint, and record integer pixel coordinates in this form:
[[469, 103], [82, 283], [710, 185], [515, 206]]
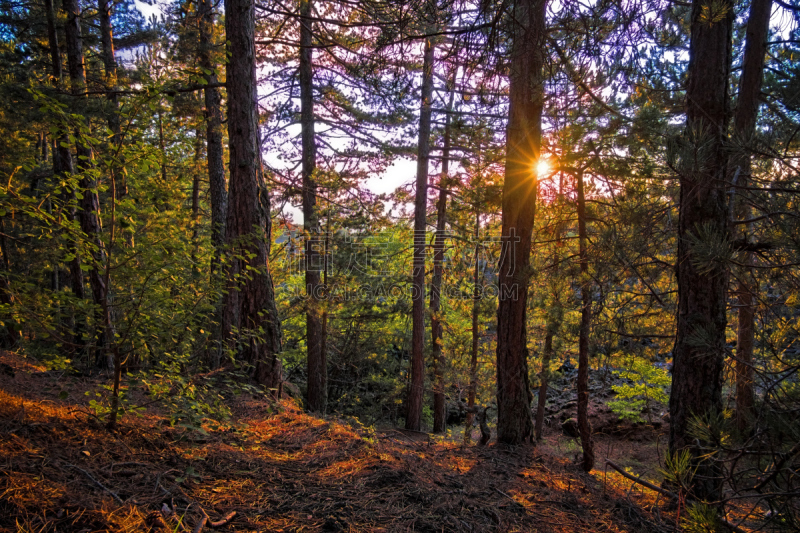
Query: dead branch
[[665, 492], [93, 480]]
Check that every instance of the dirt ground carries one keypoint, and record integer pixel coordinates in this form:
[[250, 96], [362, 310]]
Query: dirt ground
[[279, 469]]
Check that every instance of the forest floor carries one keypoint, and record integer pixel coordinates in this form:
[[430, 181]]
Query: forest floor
[[280, 469]]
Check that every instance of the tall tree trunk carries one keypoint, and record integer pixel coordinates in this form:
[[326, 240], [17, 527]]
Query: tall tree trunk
[[62, 169], [416, 391], [317, 392], [702, 282], [249, 304], [213, 112], [584, 427], [524, 136], [11, 335], [110, 66], [198, 154], [744, 127], [218, 191], [473, 361], [547, 356], [439, 407], [89, 203]]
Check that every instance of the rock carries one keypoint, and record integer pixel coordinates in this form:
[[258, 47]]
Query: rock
[[570, 428]]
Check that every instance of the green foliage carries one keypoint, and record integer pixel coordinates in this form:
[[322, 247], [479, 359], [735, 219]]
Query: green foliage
[[701, 518], [647, 384], [678, 470]]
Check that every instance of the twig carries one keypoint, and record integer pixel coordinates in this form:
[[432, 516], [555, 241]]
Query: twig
[[219, 523], [200, 525], [225, 519], [118, 465], [500, 492], [87, 474]]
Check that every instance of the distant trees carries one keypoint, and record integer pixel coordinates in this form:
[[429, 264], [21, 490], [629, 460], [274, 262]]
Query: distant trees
[[664, 202]]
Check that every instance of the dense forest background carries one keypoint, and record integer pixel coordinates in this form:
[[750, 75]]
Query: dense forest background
[[188, 207]]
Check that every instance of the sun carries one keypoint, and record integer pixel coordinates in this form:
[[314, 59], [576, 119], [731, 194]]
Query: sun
[[542, 167]]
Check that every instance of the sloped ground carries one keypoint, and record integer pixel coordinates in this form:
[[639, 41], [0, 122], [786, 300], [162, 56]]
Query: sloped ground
[[284, 471]]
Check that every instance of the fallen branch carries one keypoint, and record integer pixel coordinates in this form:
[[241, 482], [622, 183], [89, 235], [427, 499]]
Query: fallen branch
[[640, 481], [87, 474], [225, 519], [665, 492], [206, 520]]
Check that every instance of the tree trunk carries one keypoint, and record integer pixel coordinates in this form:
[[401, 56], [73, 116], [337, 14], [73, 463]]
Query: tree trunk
[[317, 392], [11, 335], [702, 281], [213, 114], [62, 169], [524, 133], [584, 427], [744, 127], [218, 191], [249, 304], [543, 377], [89, 203], [110, 66], [416, 391], [439, 407], [198, 154], [473, 361]]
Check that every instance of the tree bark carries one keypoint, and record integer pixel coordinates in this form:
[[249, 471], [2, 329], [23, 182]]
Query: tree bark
[[744, 127], [473, 361], [703, 225], [218, 191], [11, 335], [526, 87], [63, 168], [198, 154], [439, 407], [249, 305], [90, 202], [110, 66], [317, 392], [584, 427], [547, 356], [213, 114], [416, 390]]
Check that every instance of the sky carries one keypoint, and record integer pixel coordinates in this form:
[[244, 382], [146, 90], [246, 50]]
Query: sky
[[403, 171]]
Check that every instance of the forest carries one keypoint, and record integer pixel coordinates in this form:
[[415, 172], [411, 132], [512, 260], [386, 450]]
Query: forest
[[435, 265]]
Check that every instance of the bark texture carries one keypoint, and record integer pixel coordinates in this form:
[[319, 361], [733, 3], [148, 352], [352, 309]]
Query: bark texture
[[744, 127], [439, 405], [417, 386], [89, 203], [514, 424], [213, 114], [110, 66], [249, 306], [703, 227], [10, 337], [317, 392], [547, 356], [63, 165], [584, 427], [473, 360]]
